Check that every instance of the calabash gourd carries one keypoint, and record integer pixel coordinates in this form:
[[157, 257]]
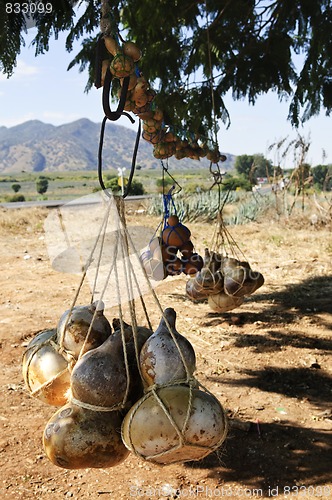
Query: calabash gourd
[[167, 357], [175, 424], [77, 438], [45, 370], [74, 325]]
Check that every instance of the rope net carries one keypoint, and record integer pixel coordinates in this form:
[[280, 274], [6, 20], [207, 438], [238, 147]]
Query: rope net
[[123, 369]]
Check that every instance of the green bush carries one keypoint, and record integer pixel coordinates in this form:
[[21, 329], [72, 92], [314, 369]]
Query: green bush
[[42, 184], [235, 183], [16, 187], [16, 197]]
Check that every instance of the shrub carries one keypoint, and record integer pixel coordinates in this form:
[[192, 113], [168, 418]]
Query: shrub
[[16, 187], [16, 197]]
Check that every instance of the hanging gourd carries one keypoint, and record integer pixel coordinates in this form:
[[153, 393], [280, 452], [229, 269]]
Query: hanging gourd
[[221, 302], [239, 278], [174, 421], [45, 370], [140, 100], [175, 424], [172, 252], [79, 438], [224, 280], [76, 323], [165, 348], [99, 377]]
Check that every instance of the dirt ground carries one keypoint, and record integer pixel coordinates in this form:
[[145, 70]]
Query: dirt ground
[[268, 362]]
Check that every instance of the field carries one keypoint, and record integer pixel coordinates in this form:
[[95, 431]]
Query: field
[[69, 185], [268, 362]]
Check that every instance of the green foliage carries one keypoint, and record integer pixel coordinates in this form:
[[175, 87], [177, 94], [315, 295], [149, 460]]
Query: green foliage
[[253, 166], [136, 188], [113, 183], [243, 164], [16, 187], [235, 183], [42, 184], [164, 184], [322, 177], [193, 187], [252, 47], [206, 206]]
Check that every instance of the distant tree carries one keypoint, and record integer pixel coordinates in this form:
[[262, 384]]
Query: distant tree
[[322, 175], [16, 187], [136, 188], [41, 185], [243, 164], [263, 167], [253, 166]]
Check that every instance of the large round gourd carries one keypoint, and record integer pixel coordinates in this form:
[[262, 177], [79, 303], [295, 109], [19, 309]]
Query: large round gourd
[[196, 427], [77, 438], [167, 356], [45, 370]]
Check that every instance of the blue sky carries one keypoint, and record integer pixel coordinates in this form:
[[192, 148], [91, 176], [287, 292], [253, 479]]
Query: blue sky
[[42, 88]]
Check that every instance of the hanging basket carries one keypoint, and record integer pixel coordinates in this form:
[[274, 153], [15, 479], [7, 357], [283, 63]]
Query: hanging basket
[[118, 374], [171, 252], [175, 421], [226, 277], [178, 423]]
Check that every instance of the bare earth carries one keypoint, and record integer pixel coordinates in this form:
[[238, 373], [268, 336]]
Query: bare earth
[[268, 362]]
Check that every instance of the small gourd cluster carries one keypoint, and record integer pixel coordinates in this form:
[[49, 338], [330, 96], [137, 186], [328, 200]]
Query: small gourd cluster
[[113, 387], [171, 253], [140, 101], [223, 281]]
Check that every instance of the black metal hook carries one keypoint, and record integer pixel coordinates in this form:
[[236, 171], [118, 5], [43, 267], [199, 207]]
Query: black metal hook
[[115, 115]]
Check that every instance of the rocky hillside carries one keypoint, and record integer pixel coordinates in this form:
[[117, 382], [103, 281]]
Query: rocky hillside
[[35, 146]]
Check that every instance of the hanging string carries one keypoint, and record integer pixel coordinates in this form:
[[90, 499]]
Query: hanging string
[[214, 119], [86, 267], [166, 171]]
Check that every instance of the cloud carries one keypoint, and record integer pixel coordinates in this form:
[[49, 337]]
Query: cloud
[[12, 122], [22, 71]]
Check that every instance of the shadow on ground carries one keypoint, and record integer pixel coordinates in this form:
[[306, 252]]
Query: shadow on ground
[[311, 296], [273, 455], [310, 383]]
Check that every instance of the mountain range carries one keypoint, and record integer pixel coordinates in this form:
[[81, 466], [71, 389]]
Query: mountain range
[[35, 146]]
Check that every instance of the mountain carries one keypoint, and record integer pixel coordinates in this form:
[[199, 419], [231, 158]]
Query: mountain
[[35, 146]]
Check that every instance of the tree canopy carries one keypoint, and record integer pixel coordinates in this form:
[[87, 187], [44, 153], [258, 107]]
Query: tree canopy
[[253, 166], [247, 47]]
